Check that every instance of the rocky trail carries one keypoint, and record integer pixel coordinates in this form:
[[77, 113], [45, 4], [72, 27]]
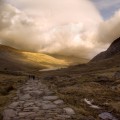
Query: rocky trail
[[34, 101]]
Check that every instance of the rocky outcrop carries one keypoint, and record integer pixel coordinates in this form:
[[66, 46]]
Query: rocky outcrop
[[114, 49]]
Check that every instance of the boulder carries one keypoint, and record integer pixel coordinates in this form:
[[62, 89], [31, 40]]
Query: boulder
[[107, 116], [69, 111], [50, 98], [117, 75]]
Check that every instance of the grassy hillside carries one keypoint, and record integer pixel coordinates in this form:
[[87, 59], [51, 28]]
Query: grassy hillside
[[72, 60], [15, 64], [94, 81], [13, 59]]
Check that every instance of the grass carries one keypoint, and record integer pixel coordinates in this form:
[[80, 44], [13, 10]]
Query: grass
[[17, 60], [8, 86], [75, 84], [43, 60]]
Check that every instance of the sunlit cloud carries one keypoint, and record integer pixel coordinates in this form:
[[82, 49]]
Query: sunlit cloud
[[69, 27]]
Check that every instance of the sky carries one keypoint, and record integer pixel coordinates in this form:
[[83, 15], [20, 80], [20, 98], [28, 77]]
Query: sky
[[107, 7], [69, 27]]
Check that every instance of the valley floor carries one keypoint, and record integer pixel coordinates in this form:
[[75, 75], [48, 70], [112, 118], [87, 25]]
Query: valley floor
[[93, 93], [78, 93]]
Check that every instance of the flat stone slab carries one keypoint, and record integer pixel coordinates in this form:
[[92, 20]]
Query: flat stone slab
[[14, 105], [8, 113], [28, 89], [28, 104], [58, 102], [36, 94], [69, 111], [48, 106], [33, 108], [25, 97], [49, 93], [107, 116], [50, 97], [23, 114]]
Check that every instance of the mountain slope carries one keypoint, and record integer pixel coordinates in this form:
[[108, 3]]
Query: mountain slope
[[14, 59], [72, 60], [113, 50], [94, 82]]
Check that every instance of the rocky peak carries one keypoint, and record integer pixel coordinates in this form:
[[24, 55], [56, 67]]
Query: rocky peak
[[111, 51]]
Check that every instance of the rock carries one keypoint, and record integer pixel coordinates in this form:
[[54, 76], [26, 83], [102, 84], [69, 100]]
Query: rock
[[117, 75], [37, 94], [25, 114], [113, 50], [13, 105], [50, 97], [46, 102], [28, 104], [28, 89], [25, 97], [38, 103], [63, 116], [9, 113], [58, 102], [69, 111], [49, 93], [15, 98], [107, 116], [31, 109], [48, 106]]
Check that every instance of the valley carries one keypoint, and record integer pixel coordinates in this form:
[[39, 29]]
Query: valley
[[91, 90]]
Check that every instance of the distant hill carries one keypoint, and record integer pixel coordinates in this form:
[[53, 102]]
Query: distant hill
[[13, 59], [71, 60], [113, 50]]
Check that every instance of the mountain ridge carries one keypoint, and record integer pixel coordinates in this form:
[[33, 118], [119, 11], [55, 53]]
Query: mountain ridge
[[113, 50]]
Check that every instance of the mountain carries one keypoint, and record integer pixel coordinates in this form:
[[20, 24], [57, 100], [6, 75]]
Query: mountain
[[14, 59], [112, 51], [71, 59], [97, 83]]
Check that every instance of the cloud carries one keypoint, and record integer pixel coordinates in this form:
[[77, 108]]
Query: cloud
[[109, 30], [52, 13], [71, 27], [62, 30]]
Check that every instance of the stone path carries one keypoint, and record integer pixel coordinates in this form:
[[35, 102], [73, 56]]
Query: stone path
[[34, 101]]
